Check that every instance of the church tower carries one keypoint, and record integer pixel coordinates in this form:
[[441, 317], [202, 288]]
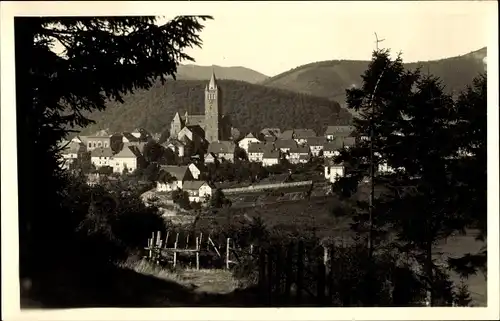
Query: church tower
[[213, 111]]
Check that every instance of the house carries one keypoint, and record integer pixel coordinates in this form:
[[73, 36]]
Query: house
[[284, 145], [127, 159], [302, 135], [195, 170], [298, 154], [101, 156], [176, 146], [333, 171], [256, 151], [180, 175], [348, 142], [210, 158], [333, 132], [70, 152], [332, 149], [222, 150], [304, 158], [101, 140], [270, 158], [247, 140], [316, 145], [198, 191]]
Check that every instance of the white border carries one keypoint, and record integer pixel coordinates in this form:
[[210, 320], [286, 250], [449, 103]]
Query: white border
[[10, 283]]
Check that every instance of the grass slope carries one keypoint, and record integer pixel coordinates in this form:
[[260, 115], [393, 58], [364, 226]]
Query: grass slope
[[251, 107], [329, 79]]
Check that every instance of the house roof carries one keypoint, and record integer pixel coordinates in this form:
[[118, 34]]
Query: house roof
[[197, 130], [271, 154], [102, 152], [174, 142], [316, 141], [270, 138], [333, 146], [128, 151], [178, 172], [287, 134], [193, 185], [71, 147], [303, 133], [349, 141], [193, 120], [259, 147], [299, 150], [285, 143], [271, 132], [222, 146], [345, 130]]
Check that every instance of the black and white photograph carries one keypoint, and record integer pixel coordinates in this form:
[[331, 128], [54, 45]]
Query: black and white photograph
[[233, 154]]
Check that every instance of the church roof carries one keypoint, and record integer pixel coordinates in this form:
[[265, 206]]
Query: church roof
[[213, 82]]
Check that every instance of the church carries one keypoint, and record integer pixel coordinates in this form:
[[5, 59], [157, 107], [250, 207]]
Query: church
[[213, 125]]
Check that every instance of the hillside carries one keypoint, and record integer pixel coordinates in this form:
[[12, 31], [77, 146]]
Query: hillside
[[329, 79], [195, 72], [251, 107]]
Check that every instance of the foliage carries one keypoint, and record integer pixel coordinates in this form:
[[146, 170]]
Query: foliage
[[241, 171], [219, 200], [104, 59], [330, 79], [251, 107], [181, 198], [415, 125]]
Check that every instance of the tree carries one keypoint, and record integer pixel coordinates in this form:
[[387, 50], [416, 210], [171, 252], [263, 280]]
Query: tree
[[181, 198], [219, 200], [412, 124], [103, 59]]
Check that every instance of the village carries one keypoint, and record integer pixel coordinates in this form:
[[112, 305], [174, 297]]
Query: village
[[199, 143]]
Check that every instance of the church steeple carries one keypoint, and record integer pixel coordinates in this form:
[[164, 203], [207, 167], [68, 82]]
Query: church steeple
[[212, 85]]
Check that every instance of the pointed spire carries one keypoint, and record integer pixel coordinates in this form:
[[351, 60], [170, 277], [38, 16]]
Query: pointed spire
[[213, 81]]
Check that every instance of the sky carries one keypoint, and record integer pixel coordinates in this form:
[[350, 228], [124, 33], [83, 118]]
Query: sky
[[274, 37]]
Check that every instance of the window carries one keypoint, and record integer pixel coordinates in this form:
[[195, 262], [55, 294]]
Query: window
[[90, 145]]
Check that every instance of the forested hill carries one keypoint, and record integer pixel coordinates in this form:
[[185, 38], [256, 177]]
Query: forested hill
[[251, 107], [329, 79]]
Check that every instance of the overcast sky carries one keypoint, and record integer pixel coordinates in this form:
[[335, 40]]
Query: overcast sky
[[275, 37]]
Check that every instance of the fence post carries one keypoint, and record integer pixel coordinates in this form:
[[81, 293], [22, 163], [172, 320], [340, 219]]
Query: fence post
[[175, 253], [300, 271], [227, 252], [166, 239], [197, 254], [187, 241]]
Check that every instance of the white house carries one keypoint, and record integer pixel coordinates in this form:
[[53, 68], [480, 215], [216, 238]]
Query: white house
[[256, 151], [270, 158], [316, 145], [176, 146], [210, 158], [299, 154], [284, 145], [332, 149], [70, 151], [333, 171], [180, 175], [246, 141], [333, 132], [198, 191], [127, 158], [195, 171], [223, 150], [101, 157]]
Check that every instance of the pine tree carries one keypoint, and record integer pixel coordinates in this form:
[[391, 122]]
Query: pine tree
[[103, 58], [412, 127]]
